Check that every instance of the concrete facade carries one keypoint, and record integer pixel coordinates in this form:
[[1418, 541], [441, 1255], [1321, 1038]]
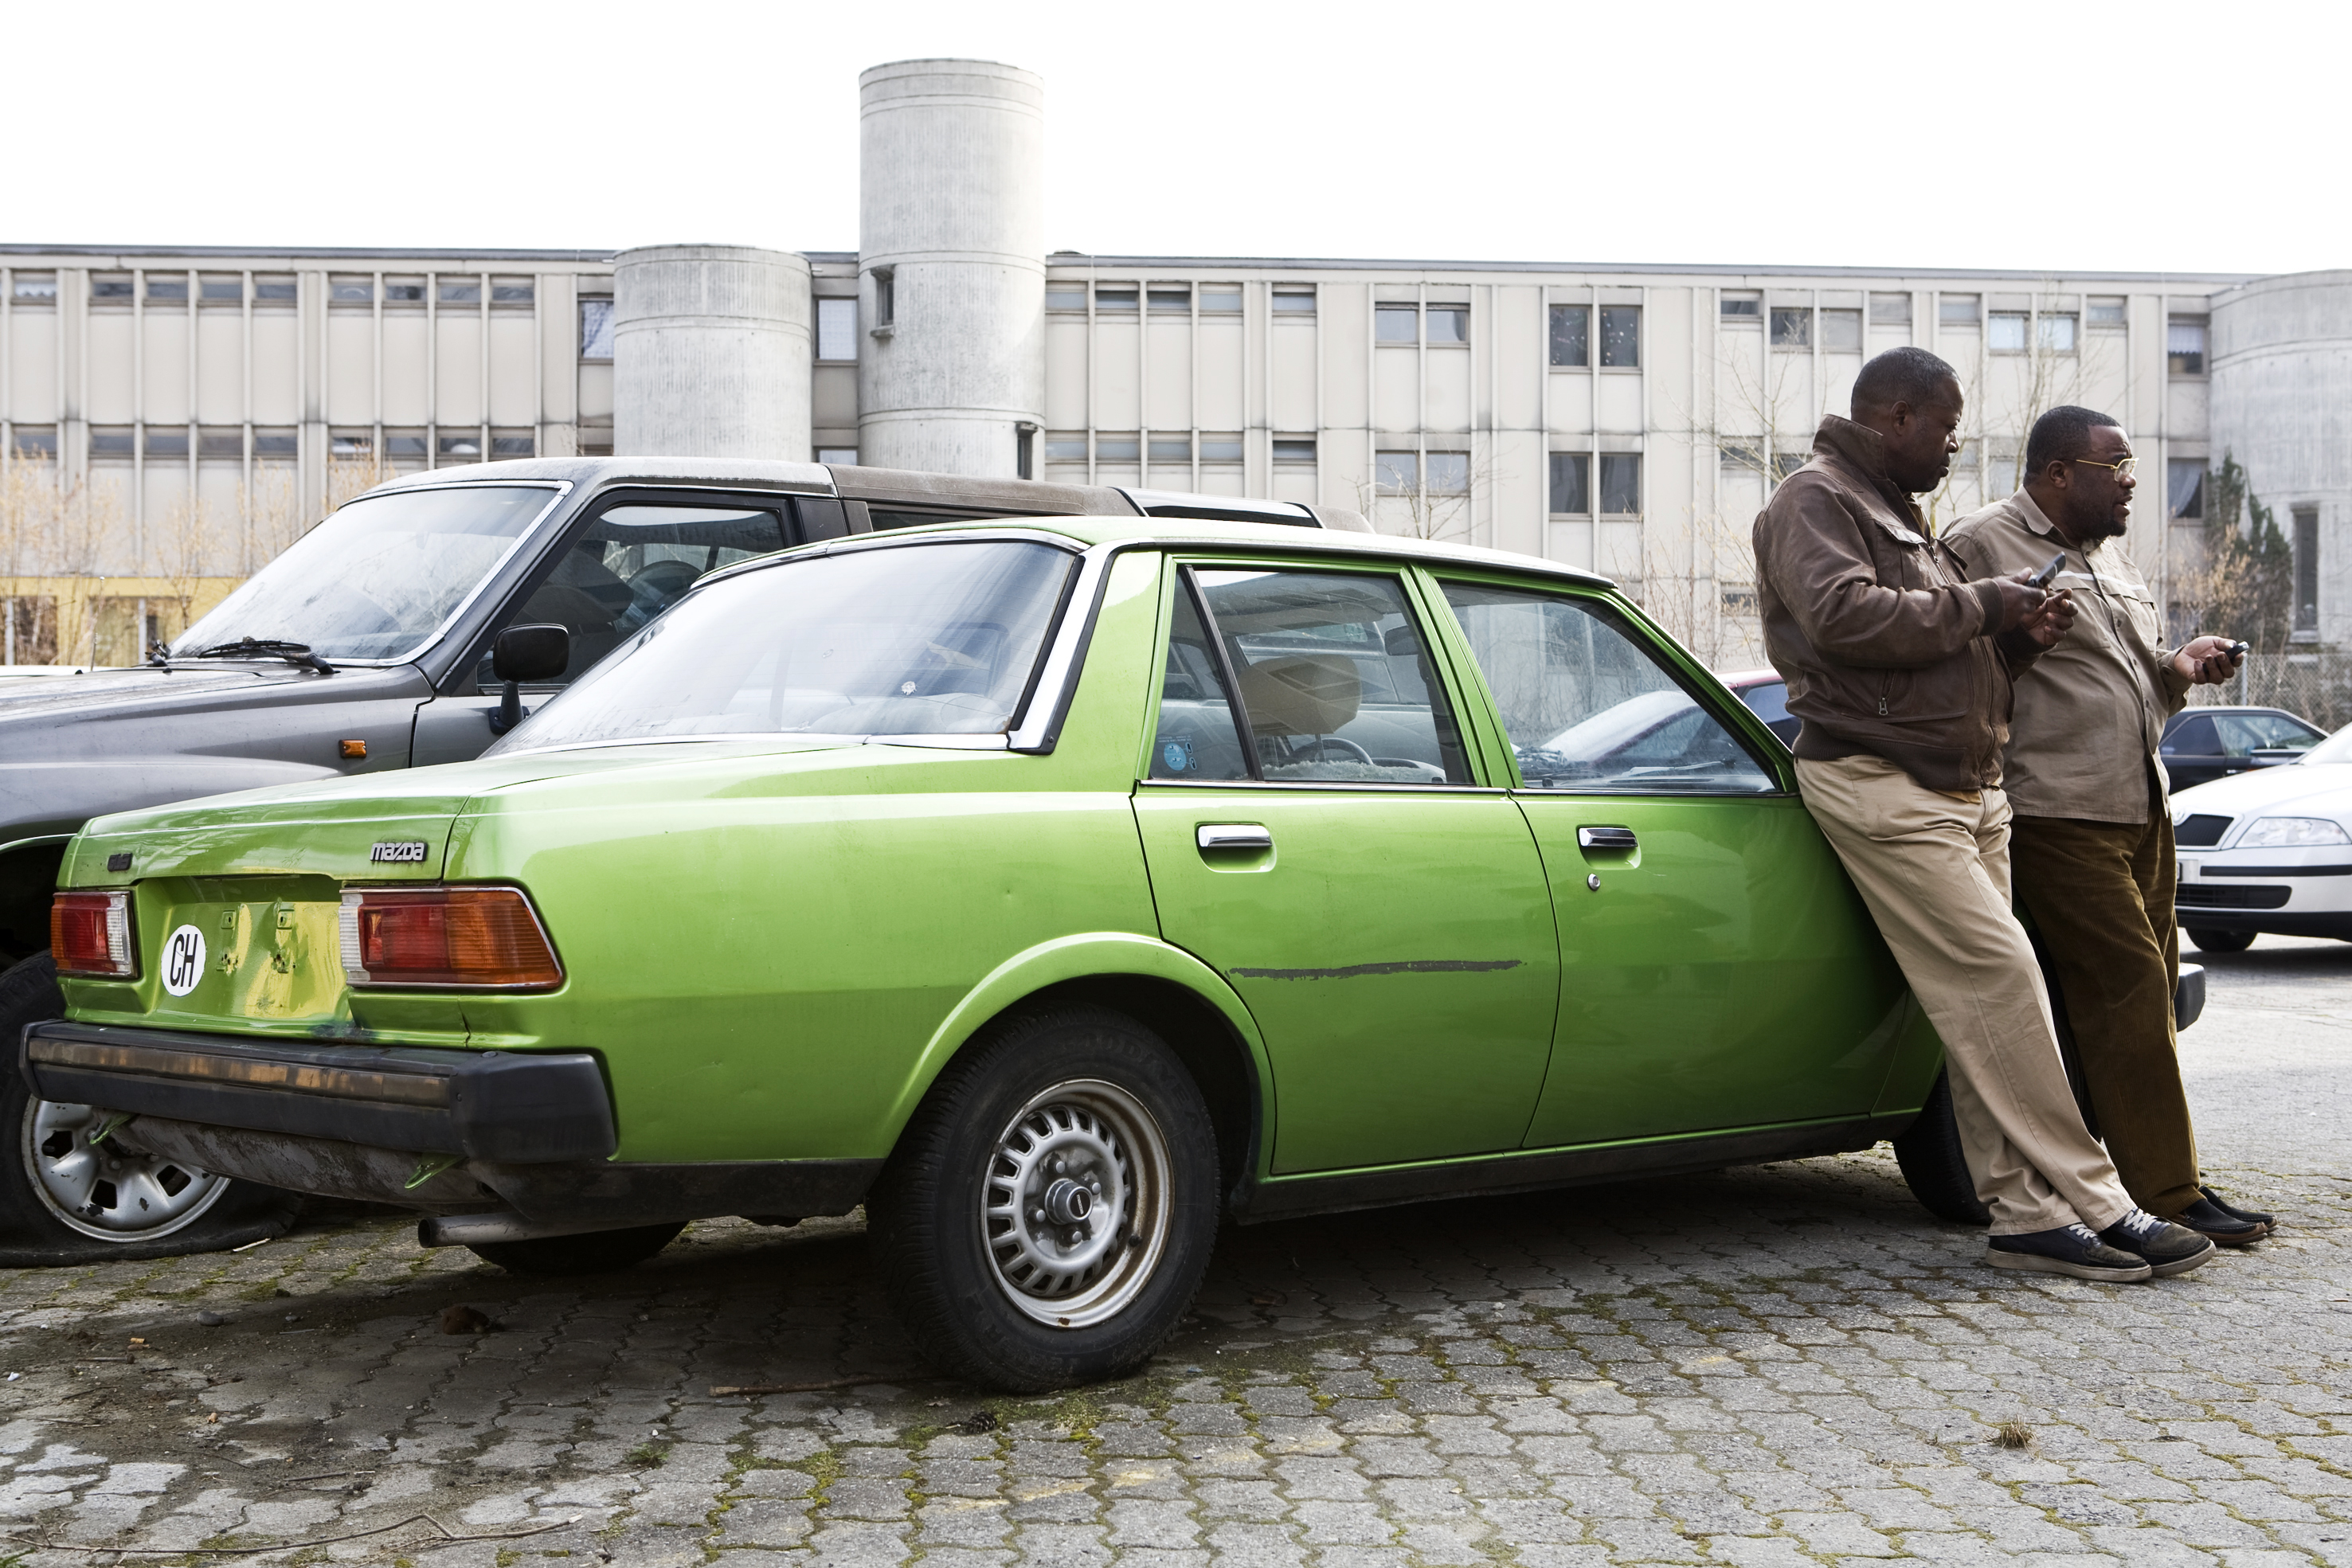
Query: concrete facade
[[711, 352]]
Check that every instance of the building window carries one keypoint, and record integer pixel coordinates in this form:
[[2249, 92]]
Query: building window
[[836, 329], [112, 441], [1571, 483], [403, 291], [1224, 447], [167, 288], [515, 292], [1115, 299], [1396, 473], [218, 442], [167, 440], [1396, 324], [513, 444], [277, 446], [1024, 450], [1890, 310], [110, 285], [351, 290], [2306, 568], [1744, 308], [34, 288], [1172, 449], [354, 445], [460, 291], [1221, 300], [1449, 472], [467, 446], [37, 442], [2055, 333], [1968, 458], [840, 457], [405, 446], [1571, 336], [1294, 449], [1294, 302], [1118, 446], [2005, 332], [1449, 325], [2104, 309], [221, 288], [1958, 310], [2184, 347], [1066, 447], [1169, 298], [1620, 336], [2184, 486], [886, 297], [1621, 481], [596, 330], [1841, 330], [1787, 463], [276, 289], [1066, 297], [1792, 329]]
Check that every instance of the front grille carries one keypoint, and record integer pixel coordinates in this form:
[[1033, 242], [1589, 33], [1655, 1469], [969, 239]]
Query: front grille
[[2200, 832], [2190, 896]]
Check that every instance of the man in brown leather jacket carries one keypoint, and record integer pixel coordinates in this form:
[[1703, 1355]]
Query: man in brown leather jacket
[[1899, 667]]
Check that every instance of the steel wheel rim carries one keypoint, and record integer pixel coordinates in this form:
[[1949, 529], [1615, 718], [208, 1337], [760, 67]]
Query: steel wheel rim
[[152, 1195], [1084, 1135]]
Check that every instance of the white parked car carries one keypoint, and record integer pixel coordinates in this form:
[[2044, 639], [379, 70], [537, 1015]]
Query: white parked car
[[2268, 850]]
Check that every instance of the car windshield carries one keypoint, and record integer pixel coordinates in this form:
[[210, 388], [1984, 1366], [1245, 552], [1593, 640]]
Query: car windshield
[[378, 578], [2337, 747], [931, 639]]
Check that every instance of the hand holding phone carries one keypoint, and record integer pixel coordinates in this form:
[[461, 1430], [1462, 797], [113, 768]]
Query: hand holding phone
[[2049, 572]]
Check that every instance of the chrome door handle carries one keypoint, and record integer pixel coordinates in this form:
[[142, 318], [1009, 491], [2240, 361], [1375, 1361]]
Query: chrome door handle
[[1233, 836], [1606, 838]]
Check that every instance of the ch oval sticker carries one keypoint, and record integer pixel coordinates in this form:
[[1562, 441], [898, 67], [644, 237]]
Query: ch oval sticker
[[183, 960]]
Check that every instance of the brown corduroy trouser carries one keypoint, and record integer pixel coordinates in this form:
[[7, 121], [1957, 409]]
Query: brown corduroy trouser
[[2101, 897]]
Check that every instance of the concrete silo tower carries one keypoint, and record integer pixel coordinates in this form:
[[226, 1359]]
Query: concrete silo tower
[[951, 264], [711, 355]]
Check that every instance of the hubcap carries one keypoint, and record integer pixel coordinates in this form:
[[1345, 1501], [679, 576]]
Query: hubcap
[[112, 1192], [1074, 1214]]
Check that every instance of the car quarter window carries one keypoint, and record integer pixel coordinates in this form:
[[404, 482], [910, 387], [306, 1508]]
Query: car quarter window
[[1335, 683], [2244, 733], [1588, 705], [634, 561], [2192, 737]]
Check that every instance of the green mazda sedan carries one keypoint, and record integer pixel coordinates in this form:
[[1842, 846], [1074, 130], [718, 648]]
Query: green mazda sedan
[[1058, 891]]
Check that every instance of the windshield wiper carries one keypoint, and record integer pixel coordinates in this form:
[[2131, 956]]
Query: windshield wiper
[[266, 648]]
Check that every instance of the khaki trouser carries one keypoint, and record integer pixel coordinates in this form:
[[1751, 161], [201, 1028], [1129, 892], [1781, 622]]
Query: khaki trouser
[[2101, 896], [1934, 869]]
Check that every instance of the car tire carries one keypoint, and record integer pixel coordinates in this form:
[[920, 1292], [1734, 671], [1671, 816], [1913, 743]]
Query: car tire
[[61, 1202], [1071, 1114], [594, 1252], [2209, 940], [1933, 1166]]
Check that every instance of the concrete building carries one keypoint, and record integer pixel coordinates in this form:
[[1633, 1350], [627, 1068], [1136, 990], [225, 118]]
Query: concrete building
[[1628, 418]]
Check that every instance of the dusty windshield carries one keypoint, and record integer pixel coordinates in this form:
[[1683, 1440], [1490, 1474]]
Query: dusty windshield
[[933, 639], [377, 578]]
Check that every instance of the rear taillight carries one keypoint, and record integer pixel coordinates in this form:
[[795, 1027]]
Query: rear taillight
[[90, 933], [479, 937]]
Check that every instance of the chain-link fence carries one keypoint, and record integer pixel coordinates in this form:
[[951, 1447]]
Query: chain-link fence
[[2318, 685]]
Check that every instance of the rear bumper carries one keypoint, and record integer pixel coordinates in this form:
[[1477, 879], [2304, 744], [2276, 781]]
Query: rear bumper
[[503, 1106]]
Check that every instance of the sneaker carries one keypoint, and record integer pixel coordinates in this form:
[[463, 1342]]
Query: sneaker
[[2251, 1217], [2166, 1248], [2219, 1226], [2073, 1249]]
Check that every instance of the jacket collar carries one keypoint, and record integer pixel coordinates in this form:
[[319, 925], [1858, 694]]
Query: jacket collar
[[2036, 519], [1864, 450]]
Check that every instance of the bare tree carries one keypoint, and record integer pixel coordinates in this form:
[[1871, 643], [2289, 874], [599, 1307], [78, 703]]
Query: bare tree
[[1428, 504]]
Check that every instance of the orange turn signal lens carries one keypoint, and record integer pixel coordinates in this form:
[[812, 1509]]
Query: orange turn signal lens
[[90, 933], [480, 938]]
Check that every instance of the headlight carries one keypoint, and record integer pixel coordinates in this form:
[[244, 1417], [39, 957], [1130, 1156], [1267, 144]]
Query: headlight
[[2292, 832]]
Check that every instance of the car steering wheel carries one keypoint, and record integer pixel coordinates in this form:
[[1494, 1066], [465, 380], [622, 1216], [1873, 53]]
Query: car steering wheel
[[1324, 741]]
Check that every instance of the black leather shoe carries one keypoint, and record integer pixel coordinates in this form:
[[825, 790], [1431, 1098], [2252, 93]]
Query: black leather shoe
[[2251, 1217], [2166, 1248], [2070, 1249], [2220, 1227]]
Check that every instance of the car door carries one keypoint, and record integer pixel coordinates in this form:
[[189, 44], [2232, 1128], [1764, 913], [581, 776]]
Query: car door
[[1314, 831], [631, 557], [1717, 969]]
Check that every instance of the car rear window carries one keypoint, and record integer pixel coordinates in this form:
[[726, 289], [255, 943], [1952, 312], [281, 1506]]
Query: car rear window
[[930, 639]]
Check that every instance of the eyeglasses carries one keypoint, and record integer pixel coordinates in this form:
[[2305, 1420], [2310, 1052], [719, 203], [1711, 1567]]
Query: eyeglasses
[[2123, 469]]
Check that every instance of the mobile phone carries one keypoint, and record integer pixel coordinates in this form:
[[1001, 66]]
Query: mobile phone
[[2049, 572], [2236, 651]]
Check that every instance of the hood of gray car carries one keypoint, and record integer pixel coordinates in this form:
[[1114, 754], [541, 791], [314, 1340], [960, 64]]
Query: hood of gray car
[[56, 696]]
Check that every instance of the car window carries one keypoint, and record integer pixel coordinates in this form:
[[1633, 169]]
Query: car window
[[1334, 684], [1769, 700], [1198, 736], [2192, 737], [2243, 733], [631, 563], [1588, 705]]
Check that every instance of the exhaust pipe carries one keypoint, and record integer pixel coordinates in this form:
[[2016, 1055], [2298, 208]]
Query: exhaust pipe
[[468, 1229]]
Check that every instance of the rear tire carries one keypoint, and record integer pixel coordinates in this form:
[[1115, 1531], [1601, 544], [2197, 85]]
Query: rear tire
[[595, 1252], [2209, 940], [65, 1201], [1049, 1213], [1933, 1166]]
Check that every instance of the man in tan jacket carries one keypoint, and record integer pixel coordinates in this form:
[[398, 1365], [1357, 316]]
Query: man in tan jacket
[[1899, 664], [2093, 834]]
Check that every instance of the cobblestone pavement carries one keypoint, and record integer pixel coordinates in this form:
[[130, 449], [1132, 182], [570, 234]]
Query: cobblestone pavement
[[1784, 1366]]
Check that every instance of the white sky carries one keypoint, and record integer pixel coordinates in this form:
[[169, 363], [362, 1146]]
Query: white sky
[[2148, 137]]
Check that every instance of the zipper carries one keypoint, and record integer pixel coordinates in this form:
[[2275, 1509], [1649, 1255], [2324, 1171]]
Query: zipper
[[1885, 684]]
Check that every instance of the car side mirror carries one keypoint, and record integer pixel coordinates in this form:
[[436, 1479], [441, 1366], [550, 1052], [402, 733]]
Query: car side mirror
[[1402, 642], [535, 653]]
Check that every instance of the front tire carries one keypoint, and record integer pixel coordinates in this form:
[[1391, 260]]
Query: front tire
[[2209, 940], [1049, 1213], [1934, 1168], [65, 1199]]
